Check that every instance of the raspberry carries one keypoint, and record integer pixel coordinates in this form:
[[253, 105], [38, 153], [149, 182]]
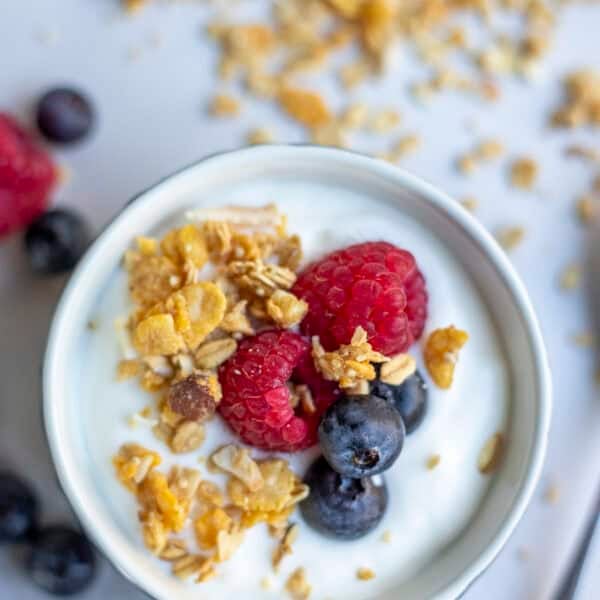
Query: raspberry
[[373, 285], [27, 175], [256, 399]]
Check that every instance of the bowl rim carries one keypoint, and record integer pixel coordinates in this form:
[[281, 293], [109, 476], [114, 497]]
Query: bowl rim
[[434, 197]]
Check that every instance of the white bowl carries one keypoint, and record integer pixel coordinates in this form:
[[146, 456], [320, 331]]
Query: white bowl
[[450, 574]]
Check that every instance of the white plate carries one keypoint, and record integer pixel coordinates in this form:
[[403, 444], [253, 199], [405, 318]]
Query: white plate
[[451, 571]]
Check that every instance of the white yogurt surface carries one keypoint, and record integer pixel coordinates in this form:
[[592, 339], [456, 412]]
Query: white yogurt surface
[[427, 509]]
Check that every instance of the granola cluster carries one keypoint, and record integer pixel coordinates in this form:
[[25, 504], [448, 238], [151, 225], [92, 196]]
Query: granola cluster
[[185, 326], [265, 491]]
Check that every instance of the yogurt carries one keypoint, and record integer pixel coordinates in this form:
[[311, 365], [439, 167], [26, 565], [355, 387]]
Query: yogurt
[[427, 508]]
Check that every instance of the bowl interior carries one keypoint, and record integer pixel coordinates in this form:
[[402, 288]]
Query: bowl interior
[[465, 558]]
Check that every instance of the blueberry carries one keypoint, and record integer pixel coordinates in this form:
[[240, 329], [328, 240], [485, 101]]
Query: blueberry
[[65, 115], [61, 561], [55, 241], [361, 435], [18, 509], [342, 507], [409, 398]]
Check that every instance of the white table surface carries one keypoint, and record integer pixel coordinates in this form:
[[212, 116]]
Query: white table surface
[[153, 121]]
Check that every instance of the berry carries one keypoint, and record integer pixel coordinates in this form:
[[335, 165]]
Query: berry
[[65, 115], [61, 561], [18, 509], [256, 399], [55, 241], [342, 507], [361, 436], [373, 285], [27, 176], [409, 398]]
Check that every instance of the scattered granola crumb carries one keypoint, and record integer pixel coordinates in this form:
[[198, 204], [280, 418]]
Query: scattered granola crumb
[[266, 583], [466, 164], [385, 121], [583, 339], [510, 237], [583, 152], [433, 461], [260, 136], [586, 209], [365, 574], [93, 324], [523, 554], [285, 545], [133, 6], [489, 149], [552, 493], [523, 173], [404, 146], [297, 585], [582, 104], [491, 454], [470, 203], [223, 105], [570, 278], [386, 538]]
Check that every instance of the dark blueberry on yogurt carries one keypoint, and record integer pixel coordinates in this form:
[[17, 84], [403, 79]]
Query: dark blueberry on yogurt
[[342, 507], [361, 436], [409, 398]]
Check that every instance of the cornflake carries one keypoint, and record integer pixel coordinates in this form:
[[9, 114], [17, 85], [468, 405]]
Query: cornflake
[[350, 363], [286, 309], [441, 354]]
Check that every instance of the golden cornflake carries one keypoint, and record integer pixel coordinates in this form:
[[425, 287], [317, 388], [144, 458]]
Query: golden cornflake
[[157, 335], [397, 369], [354, 73], [286, 309], [236, 320], [365, 574], [185, 245], [523, 173], [297, 585], [151, 278], [350, 363], [133, 463], [208, 525], [330, 134], [237, 461], [348, 9], [491, 454], [223, 105], [227, 543], [355, 116], [441, 354], [174, 550], [306, 107], [510, 237], [210, 493], [273, 502]]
